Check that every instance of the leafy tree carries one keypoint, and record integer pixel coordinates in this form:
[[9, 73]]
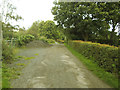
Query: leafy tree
[[42, 28], [111, 13], [87, 20], [79, 19], [24, 39], [21, 31], [9, 15], [47, 29], [33, 30], [50, 30]]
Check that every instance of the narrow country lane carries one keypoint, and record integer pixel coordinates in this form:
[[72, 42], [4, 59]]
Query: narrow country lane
[[55, 67]]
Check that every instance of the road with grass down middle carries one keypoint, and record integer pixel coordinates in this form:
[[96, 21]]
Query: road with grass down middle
[[55, 67]]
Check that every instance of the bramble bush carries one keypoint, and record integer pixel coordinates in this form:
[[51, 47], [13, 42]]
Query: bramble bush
[[24, 39], [104, 55]]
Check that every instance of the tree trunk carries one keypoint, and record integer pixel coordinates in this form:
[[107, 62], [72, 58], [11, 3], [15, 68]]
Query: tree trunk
[[113, 30], [85, 36], [112, 33]]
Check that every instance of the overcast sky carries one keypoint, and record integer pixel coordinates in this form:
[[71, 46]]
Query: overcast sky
[[33, 10]]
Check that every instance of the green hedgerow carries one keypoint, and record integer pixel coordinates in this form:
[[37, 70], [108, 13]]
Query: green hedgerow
[[105, 56]]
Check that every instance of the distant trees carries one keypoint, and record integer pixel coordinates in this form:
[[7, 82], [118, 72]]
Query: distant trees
[[87, 20], [33, 30], [47, 29]]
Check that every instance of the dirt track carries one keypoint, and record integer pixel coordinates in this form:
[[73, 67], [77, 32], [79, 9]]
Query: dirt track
[[55, 67]]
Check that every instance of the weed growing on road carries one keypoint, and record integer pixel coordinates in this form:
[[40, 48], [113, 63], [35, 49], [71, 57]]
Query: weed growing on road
[[20, 64], [36, 54], [13, 72], [7, 74], [29, 58]]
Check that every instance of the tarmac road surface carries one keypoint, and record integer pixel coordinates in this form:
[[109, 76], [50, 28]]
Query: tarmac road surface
[[55, 67]]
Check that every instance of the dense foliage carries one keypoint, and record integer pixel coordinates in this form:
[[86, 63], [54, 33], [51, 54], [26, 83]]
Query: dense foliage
[[8, 15], [49, 41], [60, 41], [24, 39], [47, 29], [88, 20], [7, 52], [104, 55]]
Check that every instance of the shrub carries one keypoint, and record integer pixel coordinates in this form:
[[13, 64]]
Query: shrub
[[105, 56], [44, 39], [50, 41], [24, 39], [7, 52], [60, 41]]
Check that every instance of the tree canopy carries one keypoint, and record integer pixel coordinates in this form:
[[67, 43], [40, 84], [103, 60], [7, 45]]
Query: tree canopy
[[45, 28], [87, 20]]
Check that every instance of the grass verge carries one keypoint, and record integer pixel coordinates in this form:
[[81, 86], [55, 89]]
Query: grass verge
[[11, 72], [7, 74], [101, 73]]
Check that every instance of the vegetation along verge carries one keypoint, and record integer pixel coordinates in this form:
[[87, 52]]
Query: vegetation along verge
[[107, 77]]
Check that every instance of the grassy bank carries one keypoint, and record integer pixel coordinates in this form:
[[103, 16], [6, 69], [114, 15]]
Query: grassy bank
[[101, 73]]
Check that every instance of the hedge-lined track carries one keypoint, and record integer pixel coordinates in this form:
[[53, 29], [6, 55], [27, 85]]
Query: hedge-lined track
[[104, 55], [55, 67]]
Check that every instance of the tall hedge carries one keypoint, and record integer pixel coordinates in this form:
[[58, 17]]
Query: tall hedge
[[104, 55]]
